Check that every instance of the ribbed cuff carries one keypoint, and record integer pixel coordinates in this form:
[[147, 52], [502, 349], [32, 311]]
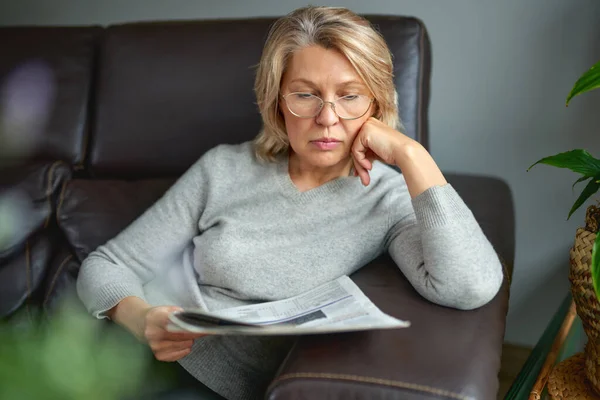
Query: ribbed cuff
[[110, 295], [439, 206]]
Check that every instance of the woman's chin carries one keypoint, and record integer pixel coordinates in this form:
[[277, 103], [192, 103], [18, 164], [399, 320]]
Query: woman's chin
[[328, 159]]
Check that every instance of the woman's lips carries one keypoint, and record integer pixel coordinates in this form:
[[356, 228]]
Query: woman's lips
[[326, 144]]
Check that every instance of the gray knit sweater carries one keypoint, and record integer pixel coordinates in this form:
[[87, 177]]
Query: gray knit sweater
[[234, 231]]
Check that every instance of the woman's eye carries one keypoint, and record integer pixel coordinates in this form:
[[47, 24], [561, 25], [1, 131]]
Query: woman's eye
[[303, 95], [350, 97]]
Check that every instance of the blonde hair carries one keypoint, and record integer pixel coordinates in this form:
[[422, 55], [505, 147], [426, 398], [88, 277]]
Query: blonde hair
[[331, 28]]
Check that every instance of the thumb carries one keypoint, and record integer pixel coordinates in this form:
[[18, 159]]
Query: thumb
[[161, 317], [171, 309], [160, 314]]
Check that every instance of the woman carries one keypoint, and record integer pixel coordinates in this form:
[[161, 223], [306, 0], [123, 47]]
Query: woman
[[309, 200]]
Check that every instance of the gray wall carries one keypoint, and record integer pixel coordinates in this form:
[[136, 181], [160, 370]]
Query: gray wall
[[501, 72]]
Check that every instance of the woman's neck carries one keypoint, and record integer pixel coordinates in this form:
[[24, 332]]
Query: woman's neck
[[307, 177]]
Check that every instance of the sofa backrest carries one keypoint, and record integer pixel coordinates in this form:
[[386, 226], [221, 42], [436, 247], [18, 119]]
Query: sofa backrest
[[67, 55], [166, 92], [140, 100]]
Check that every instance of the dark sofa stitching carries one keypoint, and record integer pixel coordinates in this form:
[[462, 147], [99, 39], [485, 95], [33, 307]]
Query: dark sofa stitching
[[50, 179], [371, 380], [58, 271]]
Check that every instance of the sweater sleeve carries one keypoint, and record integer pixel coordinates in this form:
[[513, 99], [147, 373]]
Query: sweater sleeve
[[121, 267], [443, 252]]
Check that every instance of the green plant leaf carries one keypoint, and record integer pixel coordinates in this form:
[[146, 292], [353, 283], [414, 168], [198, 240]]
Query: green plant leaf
[[577, 160], [583, 178], [596, 266], [71, 356], [591, 188], [586, 82]]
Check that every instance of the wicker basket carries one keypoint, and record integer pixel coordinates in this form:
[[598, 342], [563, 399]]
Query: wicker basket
[[567, 381], [584, 296]]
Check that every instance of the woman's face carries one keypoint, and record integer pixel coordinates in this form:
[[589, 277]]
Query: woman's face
[[325, 140]]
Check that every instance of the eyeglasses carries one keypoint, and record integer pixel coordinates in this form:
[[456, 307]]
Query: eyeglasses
[[306, 105]]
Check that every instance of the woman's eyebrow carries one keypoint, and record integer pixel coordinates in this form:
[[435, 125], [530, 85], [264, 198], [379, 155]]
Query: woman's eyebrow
[[351, 82], [302, 80], [343, 83]]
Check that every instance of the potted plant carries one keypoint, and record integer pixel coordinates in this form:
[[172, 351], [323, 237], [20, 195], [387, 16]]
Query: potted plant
[[584, 273]]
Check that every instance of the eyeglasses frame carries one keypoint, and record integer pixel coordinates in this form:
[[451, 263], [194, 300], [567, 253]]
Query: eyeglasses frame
[[323, 102]]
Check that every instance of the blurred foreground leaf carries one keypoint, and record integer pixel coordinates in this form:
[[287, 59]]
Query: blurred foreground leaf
[[72, 356]]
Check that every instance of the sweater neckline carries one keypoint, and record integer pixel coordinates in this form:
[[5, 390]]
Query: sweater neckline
[[290, 190]]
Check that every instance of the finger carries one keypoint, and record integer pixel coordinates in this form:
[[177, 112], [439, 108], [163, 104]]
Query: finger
[[170, 346], [362, 173], [181, 336], [365, 179], [171, 356], [158, 333], [159, 316], [372, 157], [359, 151]]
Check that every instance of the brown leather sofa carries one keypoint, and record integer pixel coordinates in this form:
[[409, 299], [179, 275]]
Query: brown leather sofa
[[136, 104]]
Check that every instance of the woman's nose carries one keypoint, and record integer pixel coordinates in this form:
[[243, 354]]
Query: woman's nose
[[327, 116]]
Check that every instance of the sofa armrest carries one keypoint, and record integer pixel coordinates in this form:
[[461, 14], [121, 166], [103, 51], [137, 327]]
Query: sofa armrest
[[444, 354], [24, 257]]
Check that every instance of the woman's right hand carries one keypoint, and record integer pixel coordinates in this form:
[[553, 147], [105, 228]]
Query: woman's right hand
[[166, 345], [149, 324]]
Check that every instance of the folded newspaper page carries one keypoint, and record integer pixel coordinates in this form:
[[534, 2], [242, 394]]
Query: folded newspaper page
[[337, 306]]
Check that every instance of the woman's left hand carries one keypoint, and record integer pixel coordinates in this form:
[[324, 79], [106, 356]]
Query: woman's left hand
[[377, 141]]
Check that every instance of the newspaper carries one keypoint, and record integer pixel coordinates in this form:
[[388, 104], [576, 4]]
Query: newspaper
[[337, 306]]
